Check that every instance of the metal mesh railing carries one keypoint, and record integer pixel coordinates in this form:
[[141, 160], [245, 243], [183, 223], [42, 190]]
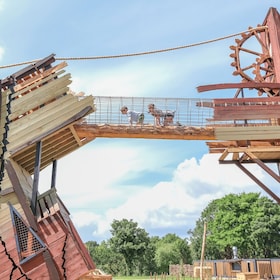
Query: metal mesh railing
[[28, 242], [187, 111]]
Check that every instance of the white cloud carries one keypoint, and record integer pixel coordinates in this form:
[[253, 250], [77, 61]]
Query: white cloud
[[175, 203], [138, 78]]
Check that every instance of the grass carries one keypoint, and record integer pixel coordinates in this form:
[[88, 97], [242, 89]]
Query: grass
[[154, 277]]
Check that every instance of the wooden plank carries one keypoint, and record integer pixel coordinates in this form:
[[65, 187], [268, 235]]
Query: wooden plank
[[53, 197], [247, 133], [43, 209], [252, 85], [51, 229], [5, 215], [75, 135], [49, 204], [6, 183], [39, 118], [73, 119], [40, 96], [9, 197], [251, 112], [19, 91], [20, 195], [30, 69], [63, 148], [47, 118], [23, 176], [246, 108], [28, 153], [60, 92], [40, 77], [246, 101]]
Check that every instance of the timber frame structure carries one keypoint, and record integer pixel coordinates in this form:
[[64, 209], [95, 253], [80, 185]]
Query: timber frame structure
[[42, 120], [258, 144], [37, 237]]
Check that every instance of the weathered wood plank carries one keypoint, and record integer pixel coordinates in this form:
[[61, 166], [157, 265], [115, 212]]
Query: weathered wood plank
[[245, 108], [247, 112], [38, 83], [43, 209], [51, 229], [20, 194], [10, 197], [40, 96], [238, 85], [247, 133], [5, 215], [60, 148], [53, 197], [245, 101], [38, 118], [49, 144], [47, 118], [40, 76]]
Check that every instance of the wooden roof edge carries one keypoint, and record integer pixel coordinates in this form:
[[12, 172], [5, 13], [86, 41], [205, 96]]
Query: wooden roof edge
[[27, 70]]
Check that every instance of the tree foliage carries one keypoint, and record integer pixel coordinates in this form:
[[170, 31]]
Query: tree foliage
[[171, 249], [107, 259], [131, 241], [130, 251], [247, 221]]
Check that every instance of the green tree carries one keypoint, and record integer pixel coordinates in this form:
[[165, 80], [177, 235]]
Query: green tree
[[107, 259], [171, 249], [265, 236], [131, 241], [234, 220]]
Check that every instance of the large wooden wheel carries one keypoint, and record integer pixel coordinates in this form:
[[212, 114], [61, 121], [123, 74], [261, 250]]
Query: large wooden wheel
[[253, 59]]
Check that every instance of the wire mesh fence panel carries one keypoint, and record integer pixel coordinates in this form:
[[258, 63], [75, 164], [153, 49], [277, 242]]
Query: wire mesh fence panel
[[185, 112]]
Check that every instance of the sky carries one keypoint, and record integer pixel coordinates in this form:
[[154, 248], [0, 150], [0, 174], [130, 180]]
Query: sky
[[163, 185]]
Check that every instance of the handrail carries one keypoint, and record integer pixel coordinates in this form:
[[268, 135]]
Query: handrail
[[187, 113], [190, 112]]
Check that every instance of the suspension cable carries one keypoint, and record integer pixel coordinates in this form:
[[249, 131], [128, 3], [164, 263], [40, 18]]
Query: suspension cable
[[259, 28]]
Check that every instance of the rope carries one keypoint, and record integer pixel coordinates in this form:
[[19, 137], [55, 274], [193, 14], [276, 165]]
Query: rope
[[260, 28]]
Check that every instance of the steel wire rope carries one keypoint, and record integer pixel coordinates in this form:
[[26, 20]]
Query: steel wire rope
[[259, 28]]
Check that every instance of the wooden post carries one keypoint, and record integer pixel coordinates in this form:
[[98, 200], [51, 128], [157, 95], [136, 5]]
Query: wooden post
[[36, 177], [203, 250], [54, 167]]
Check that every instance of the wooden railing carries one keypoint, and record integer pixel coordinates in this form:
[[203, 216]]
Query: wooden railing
[[47, 203]]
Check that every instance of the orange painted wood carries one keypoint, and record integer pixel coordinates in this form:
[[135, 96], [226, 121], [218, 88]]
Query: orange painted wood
[[246, 108], [238, 85]]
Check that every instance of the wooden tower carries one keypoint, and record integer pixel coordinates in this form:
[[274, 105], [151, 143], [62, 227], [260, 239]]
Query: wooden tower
[[248, 127], [37, 238]]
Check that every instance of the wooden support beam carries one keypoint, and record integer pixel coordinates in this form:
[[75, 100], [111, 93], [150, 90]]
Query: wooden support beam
[[252, 85], [263, 166], [20, 195], [256, 180], [54, 168], [36, 178]]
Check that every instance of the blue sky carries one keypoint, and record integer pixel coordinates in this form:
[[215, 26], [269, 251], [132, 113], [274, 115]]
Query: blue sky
[[161, 184]]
